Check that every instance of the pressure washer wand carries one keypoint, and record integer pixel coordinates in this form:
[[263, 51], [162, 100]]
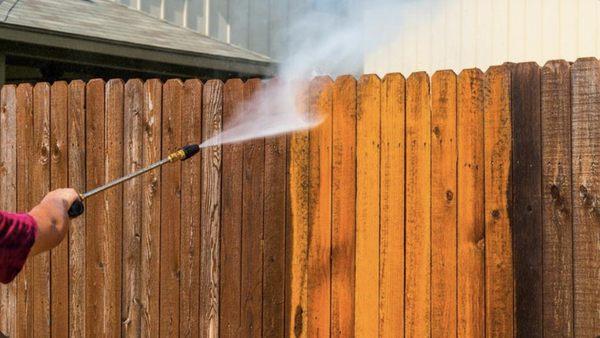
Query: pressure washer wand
[[182, 154]]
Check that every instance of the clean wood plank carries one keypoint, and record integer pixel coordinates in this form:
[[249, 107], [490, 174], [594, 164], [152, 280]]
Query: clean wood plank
[[231, 219], [40, 185], [274, 235], [557, 202], [77, 151], [212, 110], [443, 205], [95, 210], [526, 208], [391, 246], [418, 203], [367, 206], [191, 265], [585, 135], [344, 206], [25, 147], [297, 225], [8, 195], [59, 179], [170, 211], [252, 228], [113, 201], [470, 199], [151, 210], [319, 212], [498, 244], [132, 211]]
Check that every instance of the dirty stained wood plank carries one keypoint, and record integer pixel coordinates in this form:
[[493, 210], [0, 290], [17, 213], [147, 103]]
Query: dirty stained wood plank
[[418, 203], [40, 185], [191, 266], [498, 244], [470, 199], [8, 195], [212, 110], [132, 208], [391, 246], [170, 235], [297, 225], [59, 179], [252, 227], [557, 202], [367, 206], [25, 147], [343, 206], [443, 204], [274, 235], [77, 231], [231, 217], [319, 212], [585, 135], [151, 210], [526, 209]]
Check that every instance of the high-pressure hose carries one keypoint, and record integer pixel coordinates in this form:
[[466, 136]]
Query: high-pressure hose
[[77, 208]]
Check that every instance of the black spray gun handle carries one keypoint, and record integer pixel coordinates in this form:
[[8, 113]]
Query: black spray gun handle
[[76, 208]]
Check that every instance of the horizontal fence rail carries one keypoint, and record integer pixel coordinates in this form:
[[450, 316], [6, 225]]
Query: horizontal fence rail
[[451, 205]]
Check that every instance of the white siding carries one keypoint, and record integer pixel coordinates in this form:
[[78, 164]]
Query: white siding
[[459, 34]]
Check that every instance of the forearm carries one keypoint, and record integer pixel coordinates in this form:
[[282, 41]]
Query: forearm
[[51, 226]]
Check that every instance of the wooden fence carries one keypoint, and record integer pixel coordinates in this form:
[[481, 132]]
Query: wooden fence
[[457, 205]]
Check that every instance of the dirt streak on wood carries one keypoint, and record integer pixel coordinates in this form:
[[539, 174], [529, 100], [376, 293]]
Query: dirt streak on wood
[[132, 211], [557, 202], [212, 109], [499, 282], [151, 210], [471, 208], [59, 179], [418, 204], [344, 206], [585, 135], [367, 206], [40, 185], [443, 205]]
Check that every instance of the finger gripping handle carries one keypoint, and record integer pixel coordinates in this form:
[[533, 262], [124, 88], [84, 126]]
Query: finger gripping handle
[[76, 208]]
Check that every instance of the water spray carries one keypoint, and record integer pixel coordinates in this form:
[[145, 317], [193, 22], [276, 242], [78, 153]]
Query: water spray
[[182, 154]]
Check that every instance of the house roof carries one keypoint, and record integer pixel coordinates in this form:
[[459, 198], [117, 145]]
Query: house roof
[[103, 21]]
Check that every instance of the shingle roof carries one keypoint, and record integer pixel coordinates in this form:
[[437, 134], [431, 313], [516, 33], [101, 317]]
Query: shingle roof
[[103, 19]]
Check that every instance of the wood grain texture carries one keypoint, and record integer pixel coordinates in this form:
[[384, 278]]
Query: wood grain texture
[[319, 211], [297, 225], [191, 265], [212, 109], [470, 199], [526, 212], [585, 135], [418, 204], [76, 157], [557, 202], [151, 210], [132, 209], [8, 194], [252, 227], [343, 206], [170, 222], [274, 234], [59, 305], [391, 246], [443, 205], [39, 159], [367, 206], [25, 146], [231, 217], [498, 244]]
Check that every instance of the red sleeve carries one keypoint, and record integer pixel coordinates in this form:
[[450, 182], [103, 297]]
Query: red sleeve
[[17, 235]]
